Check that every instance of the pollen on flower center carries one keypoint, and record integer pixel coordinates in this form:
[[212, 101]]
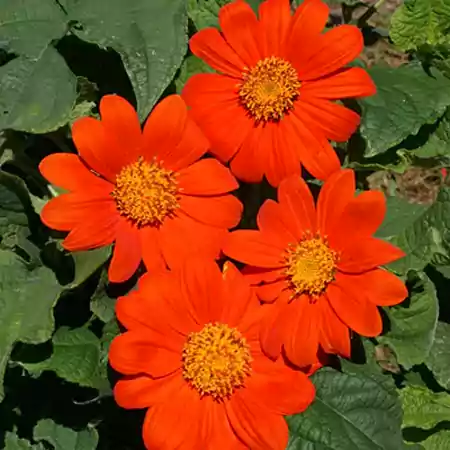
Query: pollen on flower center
[[216, 360], [269, 89], [145, 193], [311, 266]]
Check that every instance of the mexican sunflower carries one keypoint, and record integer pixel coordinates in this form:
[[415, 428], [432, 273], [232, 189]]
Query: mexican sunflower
[[146, 191], [271, 106], [191, 355], [318, 268]]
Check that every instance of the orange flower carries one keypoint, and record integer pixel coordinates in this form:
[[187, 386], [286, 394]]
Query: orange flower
[[145, 191], [269, 108], [319, 270], [192, 356]]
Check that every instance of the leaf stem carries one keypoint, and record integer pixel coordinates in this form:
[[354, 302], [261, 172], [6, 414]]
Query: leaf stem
[[362, 21]]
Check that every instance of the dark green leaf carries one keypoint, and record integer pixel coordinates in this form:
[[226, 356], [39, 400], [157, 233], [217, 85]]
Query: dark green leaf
[[438, 360], [351, 412], [413, 322], [28, 26], [424, 408], [420, 22], [75, 357], [407, 98], [36, 94], [87, 262], [63, 438], [150, 36], [13, 442], [26, 305]]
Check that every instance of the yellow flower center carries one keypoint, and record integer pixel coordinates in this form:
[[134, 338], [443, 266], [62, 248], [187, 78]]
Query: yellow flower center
[[216, 360], [311, 266], [269, 89], [145, 193]]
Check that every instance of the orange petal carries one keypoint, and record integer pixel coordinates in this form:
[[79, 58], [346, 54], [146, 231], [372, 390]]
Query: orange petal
[[361, 218], [67, 171], [121, 122], [256, 426], [330, 52], [257, 275], [127, 253], [274, 19], [215, 107], [353, 82], [281, 159], [222, 211], [142, 391], [141, 352], [273, 330], [95, 231], [314, 150], [255, 248], [181, 237], [269, 292], [248, 163], [151, 251], [380, 287], [158, 305], [240, 27], [270, 222], [206, 177], [367, 253], [334, 196], [171, 136], [309, 20], [334, 334], [303, 319], [278, 388], [162, 419], [296, 200], [352, 307], [98, 148], [209, 45], [335, 121], [202, 285], [69, 210]]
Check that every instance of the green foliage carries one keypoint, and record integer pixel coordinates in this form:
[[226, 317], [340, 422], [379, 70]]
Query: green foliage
[[438, 360], [13, 442], [191, 66], [420, 22], [62, 438], [413, 322], [150, 37], [407, 98], [350, 412], [437, 441], [423, 408], [25, 305]]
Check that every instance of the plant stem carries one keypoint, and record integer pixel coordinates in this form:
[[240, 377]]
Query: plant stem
[[362, 21]]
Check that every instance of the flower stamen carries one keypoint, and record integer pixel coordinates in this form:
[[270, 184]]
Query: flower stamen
[[216, 360], [269, 89], [311, 266], [145, 193]]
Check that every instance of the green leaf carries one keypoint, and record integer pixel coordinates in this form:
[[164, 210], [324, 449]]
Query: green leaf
[[437, 441], [437, 147], [13, 442], [191, 66], [36, 94], [407, 98], [426, 237], [150, 36], [423, 408], [413, 322], [26, 306], [438, 360], [28, 26], [420, 22], [75, 357], [102, 305], [63, 438], [204, 12], [87, 262], [351, 412]]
